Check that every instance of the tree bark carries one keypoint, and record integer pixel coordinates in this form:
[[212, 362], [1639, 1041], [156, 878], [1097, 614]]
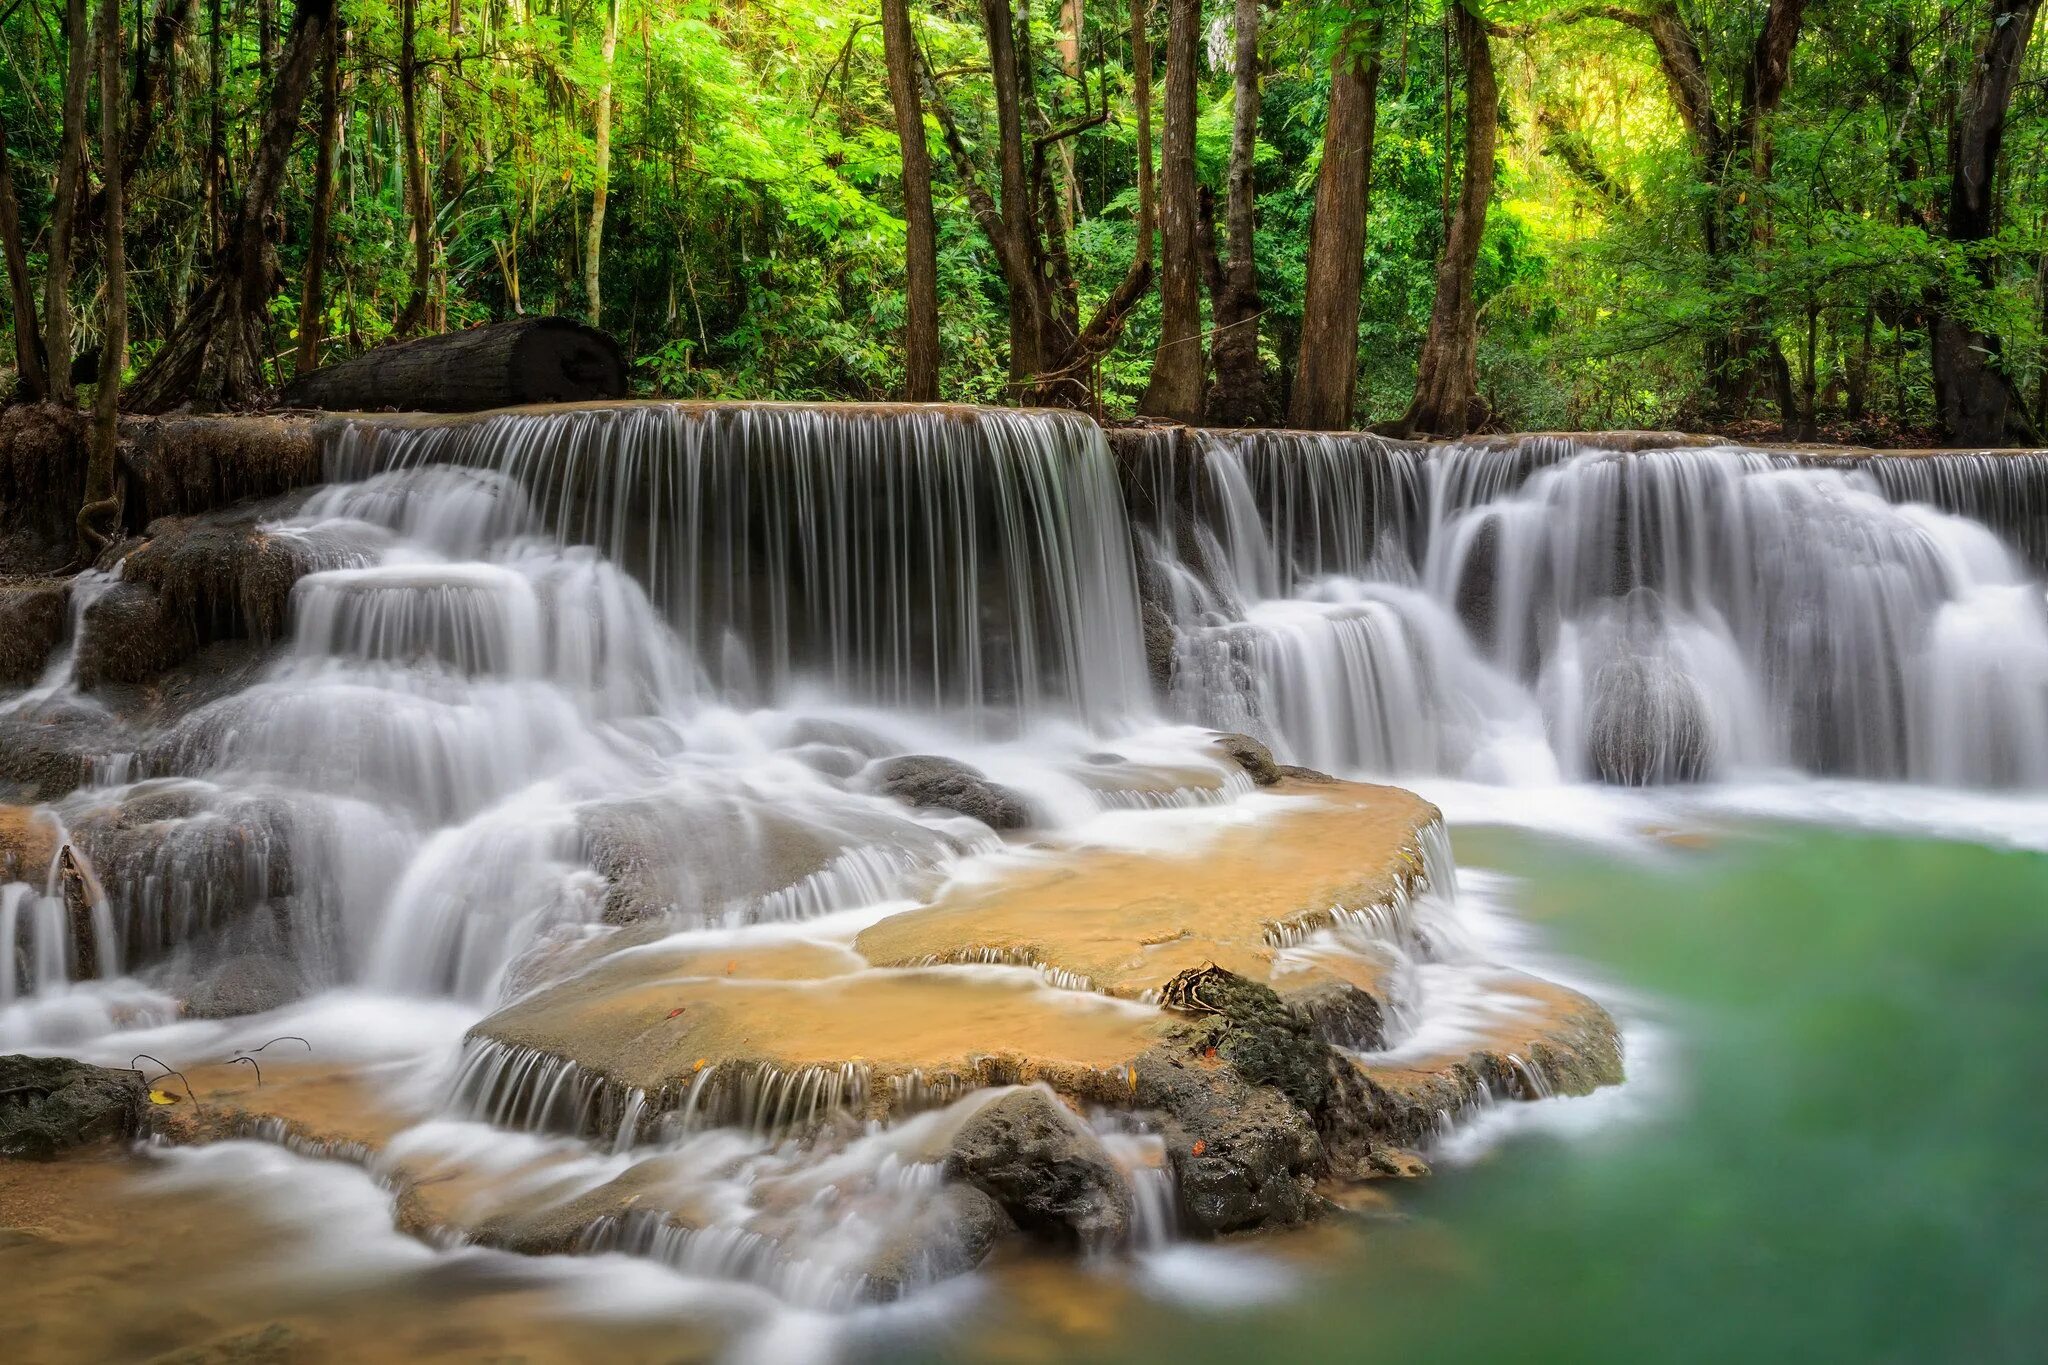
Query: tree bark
[[312, 297], [1052, 356], [593, 242], [64, 209], [21, 290], [505, 364], [215, 354], [1447, 401], [1975, 397], [419, 198], [1175, 388], [1242, 394], [99, 517], [920, 230], [1326, 376]]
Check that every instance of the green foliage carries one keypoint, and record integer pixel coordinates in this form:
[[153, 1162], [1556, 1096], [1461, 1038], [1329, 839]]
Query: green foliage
[[753, 238]]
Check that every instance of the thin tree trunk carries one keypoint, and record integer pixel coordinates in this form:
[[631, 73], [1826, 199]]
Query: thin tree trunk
[[920, 231], [1858, 395], [1447, 401], [1326, 376], [1175, 388], [1242, 394], [593, 241], [418, 196], [100, 514], [216, 135], [21, 290], [312, 300], [1809, 409], [1021, 259], [64, 209], [1976, 398]]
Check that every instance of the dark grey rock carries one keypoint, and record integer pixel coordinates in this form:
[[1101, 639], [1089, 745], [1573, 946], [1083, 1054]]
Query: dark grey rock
[[1045, 1169], [1255, 758], [1244, 1157], [949, 1235], [52, 1105], [948, 784]]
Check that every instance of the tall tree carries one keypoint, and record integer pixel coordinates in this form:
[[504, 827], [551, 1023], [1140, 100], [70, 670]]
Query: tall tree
[[64, 207], [418, 196], [215, 354], [601, 169], [313, 292], [1733, 157], [21, 293], [101, 511], [1175, 388], [920, 230], [1052, 353], [1976, 399], [1326, 375], [1241, 395], [1447, 401]]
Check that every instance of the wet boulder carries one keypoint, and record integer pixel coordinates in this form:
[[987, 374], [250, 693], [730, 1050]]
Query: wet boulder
[[929, 781], [1244, 1157], [54, 748], [1252, 756], [127, 636], [33, 620], [1648, 724], [1030, 1155], [53, 1105], [1238, 1093], [950, 1234]]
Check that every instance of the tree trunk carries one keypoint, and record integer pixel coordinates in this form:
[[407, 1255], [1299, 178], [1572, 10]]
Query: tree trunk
[[419, 198], [21, 290], [312, 299], [505, 364], [100, 515], [215, 354], [1051, 358], [1809, 408], [1975, 397], [1326, 376], [1242, 395], [1447, 401], [1020, 260], [1175, 389], [593, 241], [1857, 396], [64, 210], [920, 231]]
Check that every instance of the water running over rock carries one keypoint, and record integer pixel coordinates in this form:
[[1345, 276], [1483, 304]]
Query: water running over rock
[[672, 825]]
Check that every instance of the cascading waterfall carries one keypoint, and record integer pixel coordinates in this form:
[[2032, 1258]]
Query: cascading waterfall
[[634, 666], [1531, 611], [948, 558]]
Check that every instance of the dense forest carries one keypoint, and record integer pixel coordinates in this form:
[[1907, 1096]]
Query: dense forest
[[1825, 217]]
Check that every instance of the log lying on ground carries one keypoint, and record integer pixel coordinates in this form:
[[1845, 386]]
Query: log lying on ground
[[501, 365]]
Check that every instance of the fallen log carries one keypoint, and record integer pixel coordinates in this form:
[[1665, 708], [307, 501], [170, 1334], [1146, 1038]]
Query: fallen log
[[499, 365]]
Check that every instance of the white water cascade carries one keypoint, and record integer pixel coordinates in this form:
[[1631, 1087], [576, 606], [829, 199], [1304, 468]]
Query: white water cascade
[[1537, 611], [624, 678]]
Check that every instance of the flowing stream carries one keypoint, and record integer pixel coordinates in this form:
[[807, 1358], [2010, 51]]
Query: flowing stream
[[555, 669]]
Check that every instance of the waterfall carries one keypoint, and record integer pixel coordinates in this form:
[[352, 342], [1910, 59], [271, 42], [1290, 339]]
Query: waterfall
[[1541, 610], [958, 558]]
